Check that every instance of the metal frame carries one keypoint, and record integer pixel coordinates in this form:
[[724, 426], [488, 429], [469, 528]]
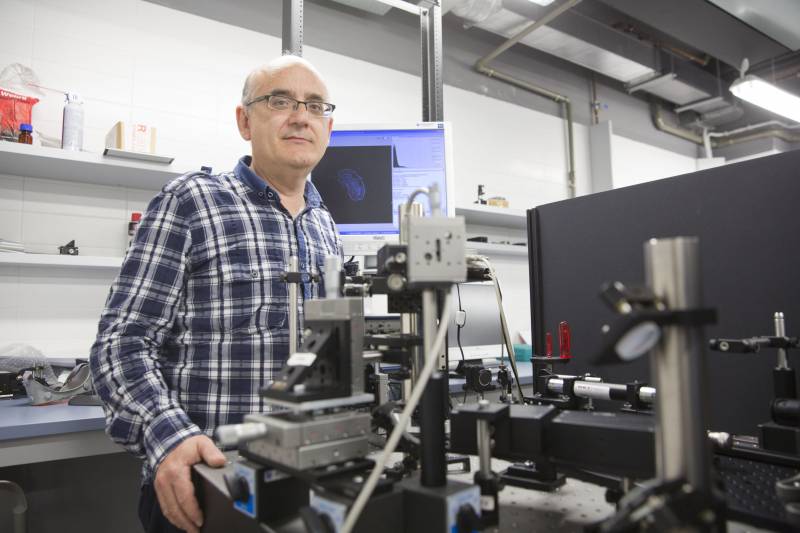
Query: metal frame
[[292, 32], [430, 21], [430, 27]]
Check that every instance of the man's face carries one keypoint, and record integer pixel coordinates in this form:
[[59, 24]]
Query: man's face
[[293, 140]]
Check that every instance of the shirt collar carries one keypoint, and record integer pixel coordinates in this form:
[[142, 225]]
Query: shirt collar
[[246, 174]]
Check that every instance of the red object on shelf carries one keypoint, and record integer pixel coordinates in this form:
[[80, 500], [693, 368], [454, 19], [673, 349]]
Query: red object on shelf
[[133, 224], [564, 339], [548, 340], [15, 109]]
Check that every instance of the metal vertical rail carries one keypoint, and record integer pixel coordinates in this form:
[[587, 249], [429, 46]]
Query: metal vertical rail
[[293, 306], [292, 34], [429, 325], [430, 20], [410, 322], [672, 268], [432, 435], [780, 331]]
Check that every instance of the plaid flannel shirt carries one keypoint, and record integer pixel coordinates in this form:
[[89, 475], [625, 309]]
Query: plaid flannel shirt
[[197, 320]]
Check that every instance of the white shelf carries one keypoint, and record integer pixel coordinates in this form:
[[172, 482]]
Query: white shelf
[[85, 261], [138, 156], [85, 167], [491, 249], [487, 215]]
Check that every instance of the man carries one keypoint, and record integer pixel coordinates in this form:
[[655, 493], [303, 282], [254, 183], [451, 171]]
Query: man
[[196, 322]]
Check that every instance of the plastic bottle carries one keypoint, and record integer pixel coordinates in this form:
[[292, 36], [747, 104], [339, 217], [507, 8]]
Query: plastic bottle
[[72, 127], [133, 224], [25, 136]]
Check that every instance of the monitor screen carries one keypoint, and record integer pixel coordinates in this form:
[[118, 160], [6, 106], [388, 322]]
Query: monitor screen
[[368, 171], [481, 337]]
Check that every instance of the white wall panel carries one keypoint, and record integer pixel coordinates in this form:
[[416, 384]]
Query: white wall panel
[[69, 198], [17, 38], [636, 162], [10, 192], [85, 51], [137, 200], [65, 290], [9, 325], [9, 294], [11, 208], [20, 12], [11, 225], [46, 231]]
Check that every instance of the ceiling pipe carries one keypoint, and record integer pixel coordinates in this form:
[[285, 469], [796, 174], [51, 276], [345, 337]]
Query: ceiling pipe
[[777, 133], [785, 132], [661, 125], [482, 66], [707, 143], [778, 126]]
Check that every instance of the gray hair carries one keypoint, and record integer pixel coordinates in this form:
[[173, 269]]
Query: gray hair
[[269, 69]]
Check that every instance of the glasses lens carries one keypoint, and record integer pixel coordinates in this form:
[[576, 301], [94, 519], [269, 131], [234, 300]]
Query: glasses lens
[[285, 103], [280, 103], [316, 108]]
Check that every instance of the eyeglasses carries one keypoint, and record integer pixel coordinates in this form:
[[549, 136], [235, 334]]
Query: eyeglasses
[[279, 102]]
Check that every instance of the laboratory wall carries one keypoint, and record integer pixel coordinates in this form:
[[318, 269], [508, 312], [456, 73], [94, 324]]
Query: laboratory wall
[[635, 162], [139, 62]]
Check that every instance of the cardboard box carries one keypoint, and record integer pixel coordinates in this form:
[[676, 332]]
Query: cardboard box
[[133, 138]]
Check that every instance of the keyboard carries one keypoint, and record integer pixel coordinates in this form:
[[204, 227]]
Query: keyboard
[[750, 490]]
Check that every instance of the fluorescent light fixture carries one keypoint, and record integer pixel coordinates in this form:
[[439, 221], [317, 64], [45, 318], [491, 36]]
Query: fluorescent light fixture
[[759, 92], [542, 2]]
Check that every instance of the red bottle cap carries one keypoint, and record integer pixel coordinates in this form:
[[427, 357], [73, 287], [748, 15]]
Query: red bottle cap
[[548, 345], [136, 216], [564, 340]]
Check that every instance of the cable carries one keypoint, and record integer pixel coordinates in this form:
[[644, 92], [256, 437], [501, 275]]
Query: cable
[[483, 262], [414, 194], [504, 329], [459, 326], [432, 193], [430, 363], [20, 507]]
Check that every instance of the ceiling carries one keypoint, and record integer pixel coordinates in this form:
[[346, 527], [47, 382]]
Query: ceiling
[[683, 53], [777, 19]]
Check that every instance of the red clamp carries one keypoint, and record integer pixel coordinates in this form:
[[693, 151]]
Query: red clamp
[[564, 340]]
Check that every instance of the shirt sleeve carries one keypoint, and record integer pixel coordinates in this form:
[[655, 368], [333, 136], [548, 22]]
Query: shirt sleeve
[[142, 414]]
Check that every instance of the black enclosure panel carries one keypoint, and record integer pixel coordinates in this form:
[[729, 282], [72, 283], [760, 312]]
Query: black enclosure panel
[[747, 217]]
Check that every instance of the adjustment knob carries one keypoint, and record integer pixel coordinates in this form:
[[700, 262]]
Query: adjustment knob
[[238, 488], [484, 377], [467, 520], [395, 282]]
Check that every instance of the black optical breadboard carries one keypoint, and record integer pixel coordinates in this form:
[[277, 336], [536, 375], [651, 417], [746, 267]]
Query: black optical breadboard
[[745, 215], [750, 491]]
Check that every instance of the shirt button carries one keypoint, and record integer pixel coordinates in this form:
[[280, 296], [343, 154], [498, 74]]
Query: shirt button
[[254, 273], [270, 194], [261, 194]]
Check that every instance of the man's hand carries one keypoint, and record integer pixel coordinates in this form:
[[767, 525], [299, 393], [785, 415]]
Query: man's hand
[[173, 481]]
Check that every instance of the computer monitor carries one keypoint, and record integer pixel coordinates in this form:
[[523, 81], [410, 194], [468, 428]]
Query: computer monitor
[[481, 337], [369, 170]]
